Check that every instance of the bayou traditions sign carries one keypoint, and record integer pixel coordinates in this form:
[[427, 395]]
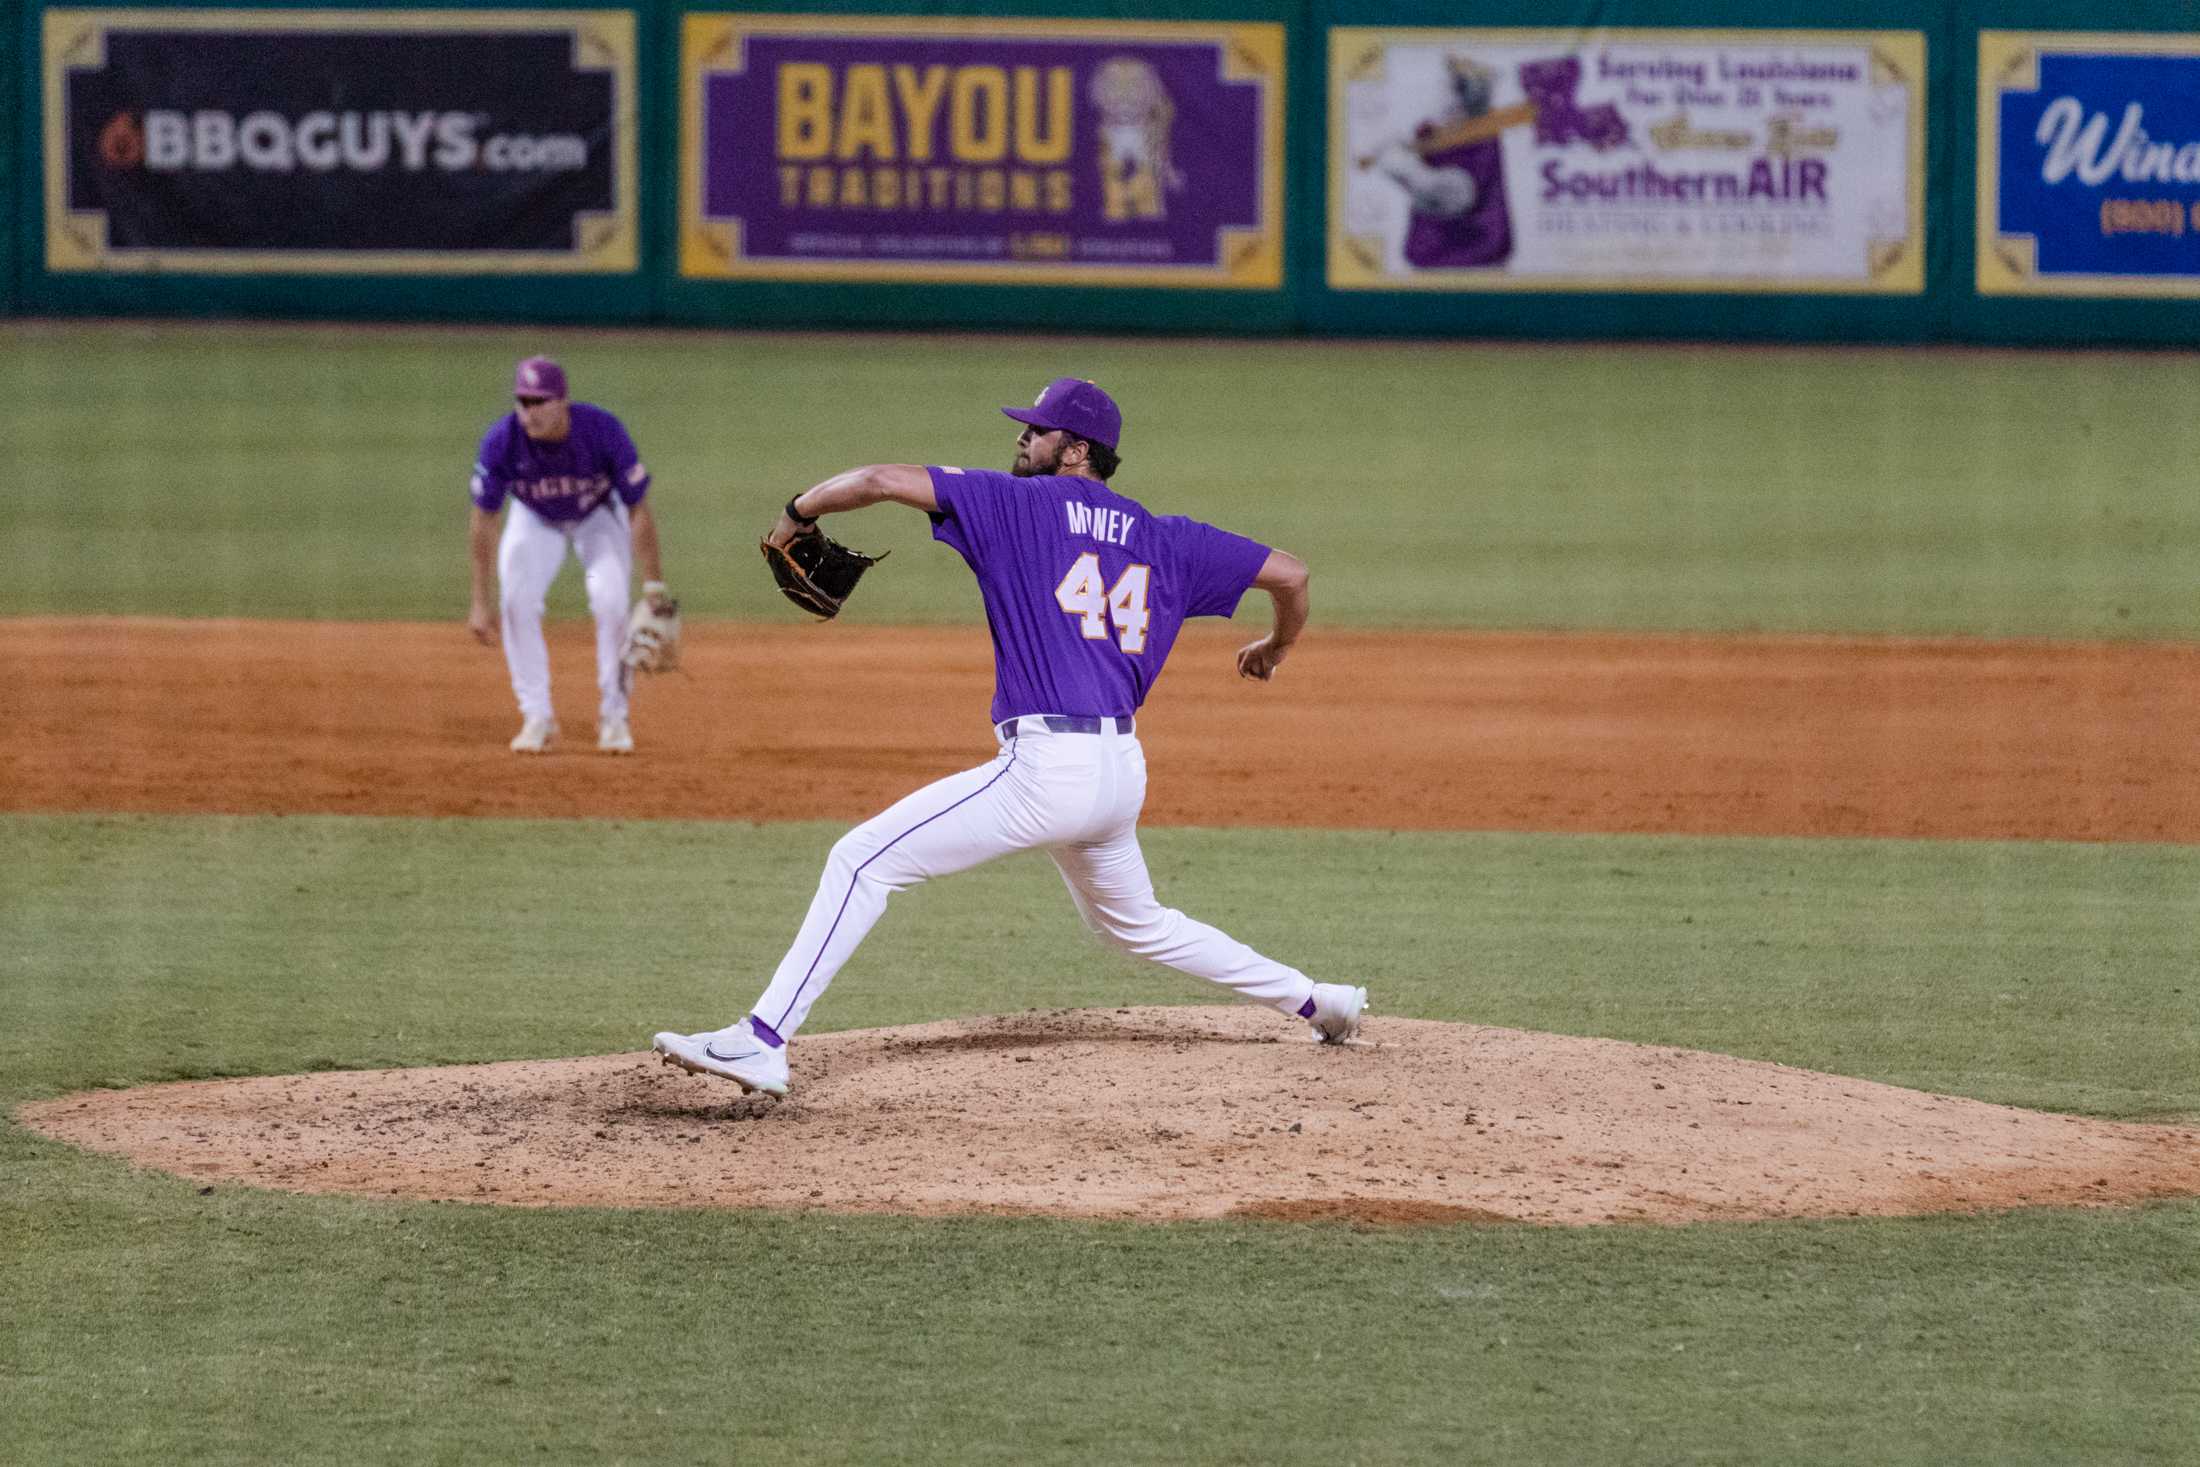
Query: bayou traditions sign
[[1018, 151]]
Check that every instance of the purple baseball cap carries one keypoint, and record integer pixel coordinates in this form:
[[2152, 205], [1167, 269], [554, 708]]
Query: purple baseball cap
[[1075, 405], [538, 377]]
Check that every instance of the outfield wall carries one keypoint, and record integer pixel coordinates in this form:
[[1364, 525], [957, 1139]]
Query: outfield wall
[[1741, 169], [11, 121]]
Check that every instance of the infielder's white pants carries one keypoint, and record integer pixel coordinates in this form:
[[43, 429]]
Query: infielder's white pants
[[528, 560], [1075, 794]]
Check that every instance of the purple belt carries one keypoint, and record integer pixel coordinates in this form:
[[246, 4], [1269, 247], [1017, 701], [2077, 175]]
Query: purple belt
[[1069, 723]]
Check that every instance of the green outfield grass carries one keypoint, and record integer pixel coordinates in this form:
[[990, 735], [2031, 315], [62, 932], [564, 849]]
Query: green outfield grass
[[148, 1322], [320, 472]]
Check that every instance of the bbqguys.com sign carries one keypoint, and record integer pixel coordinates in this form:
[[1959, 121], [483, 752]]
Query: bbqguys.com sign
[[324, 142], [446, 141]]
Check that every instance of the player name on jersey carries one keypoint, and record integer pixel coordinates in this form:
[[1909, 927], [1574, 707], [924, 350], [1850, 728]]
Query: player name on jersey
[[1111, 525]]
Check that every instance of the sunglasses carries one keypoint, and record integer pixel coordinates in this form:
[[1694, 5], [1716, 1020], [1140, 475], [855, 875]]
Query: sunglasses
[[531, 401]]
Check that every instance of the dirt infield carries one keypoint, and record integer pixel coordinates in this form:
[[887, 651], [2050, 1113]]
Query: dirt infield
[[1148, 1113], [1158, 1113], [1384, 730]]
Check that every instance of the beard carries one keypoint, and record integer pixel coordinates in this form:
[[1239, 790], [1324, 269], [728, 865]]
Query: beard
[[1027, 467]]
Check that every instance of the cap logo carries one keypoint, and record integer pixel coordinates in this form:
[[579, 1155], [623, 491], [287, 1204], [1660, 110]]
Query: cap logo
[[1041, 399], [533, 376]]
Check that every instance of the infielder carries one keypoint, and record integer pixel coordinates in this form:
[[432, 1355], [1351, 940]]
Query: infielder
[[575, 483], [1084, 592]]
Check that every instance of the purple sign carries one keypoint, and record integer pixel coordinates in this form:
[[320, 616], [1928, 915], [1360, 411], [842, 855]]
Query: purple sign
[[1063, 152]]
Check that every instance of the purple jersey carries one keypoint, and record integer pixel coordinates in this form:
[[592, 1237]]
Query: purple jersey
[[1084, 589], [1477, 239], [562, 482]]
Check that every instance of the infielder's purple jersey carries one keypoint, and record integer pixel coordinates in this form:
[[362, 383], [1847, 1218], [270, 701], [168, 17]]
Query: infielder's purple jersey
[[562, 482], [1084, 589]]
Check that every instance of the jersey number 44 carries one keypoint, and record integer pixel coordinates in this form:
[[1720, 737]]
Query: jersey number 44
[[1083, 594]]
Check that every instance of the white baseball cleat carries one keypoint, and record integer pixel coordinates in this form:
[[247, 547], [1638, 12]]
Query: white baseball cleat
[[535, 735], [734, 1054], [614, 737], [1337, 1011]]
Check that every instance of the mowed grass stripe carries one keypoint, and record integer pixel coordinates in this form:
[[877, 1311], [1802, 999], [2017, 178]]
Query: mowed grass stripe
[[320, 471], [151, 1324]]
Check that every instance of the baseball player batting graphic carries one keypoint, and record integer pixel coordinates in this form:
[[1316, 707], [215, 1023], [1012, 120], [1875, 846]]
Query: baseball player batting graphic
[[575, 483], [1453, 169], [1084, 592]]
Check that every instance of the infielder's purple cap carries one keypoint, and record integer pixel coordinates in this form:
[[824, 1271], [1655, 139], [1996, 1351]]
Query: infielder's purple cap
[[538, 377], [1074, 405]]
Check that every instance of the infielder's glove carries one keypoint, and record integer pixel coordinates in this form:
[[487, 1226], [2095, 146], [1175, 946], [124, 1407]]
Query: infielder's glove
[[817, 573], [652, 637]]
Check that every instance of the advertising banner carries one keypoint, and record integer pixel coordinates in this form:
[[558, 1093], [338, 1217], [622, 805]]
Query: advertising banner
[[2088, 164], [360, 141], [888, 149], [1636, 160]]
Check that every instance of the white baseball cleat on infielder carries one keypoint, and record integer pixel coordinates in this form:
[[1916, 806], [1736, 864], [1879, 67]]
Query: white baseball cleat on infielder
[[733, 1053], [535, 735], [614, 737], [1337, 1011]]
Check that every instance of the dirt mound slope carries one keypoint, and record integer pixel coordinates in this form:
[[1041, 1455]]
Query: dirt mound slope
[[1388, 730], [1153, 1114]]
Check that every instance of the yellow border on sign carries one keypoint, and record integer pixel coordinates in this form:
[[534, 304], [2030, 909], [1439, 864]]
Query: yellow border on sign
[[1251, 259], [2009, 61], [605, 242], [1356, 53]]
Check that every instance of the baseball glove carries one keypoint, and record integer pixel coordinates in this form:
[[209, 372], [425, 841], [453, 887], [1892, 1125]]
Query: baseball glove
[[817, 573], [652, 637]]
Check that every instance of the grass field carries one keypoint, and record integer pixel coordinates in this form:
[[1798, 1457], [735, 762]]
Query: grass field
[[264, 472], [253, 471]]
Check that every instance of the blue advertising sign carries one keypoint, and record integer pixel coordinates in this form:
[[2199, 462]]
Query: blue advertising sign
[[2089, 164]]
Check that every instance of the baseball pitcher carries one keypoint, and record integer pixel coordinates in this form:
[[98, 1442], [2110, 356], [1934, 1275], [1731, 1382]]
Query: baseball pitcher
[[1084, 591], [576, 485]]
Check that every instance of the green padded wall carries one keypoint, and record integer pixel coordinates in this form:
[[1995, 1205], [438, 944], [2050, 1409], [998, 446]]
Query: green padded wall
[[1949, 309]]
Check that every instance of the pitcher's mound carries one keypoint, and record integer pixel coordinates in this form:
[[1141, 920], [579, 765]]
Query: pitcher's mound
[[1150, 1113]]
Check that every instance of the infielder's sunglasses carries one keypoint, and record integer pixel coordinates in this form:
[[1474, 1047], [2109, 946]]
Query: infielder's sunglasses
[[531, 401]]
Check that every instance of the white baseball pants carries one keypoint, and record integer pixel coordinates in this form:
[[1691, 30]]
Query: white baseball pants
[[1075, 794], [528, 560]]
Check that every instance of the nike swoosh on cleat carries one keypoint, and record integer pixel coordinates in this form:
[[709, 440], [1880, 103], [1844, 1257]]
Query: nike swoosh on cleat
[[712, 1051]]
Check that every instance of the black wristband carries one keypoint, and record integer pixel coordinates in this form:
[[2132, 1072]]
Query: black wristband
[[797, 515]]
